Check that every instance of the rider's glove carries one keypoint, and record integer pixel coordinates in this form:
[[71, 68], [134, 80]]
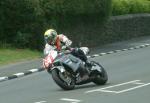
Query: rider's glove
[[68, 43], [63, 47]]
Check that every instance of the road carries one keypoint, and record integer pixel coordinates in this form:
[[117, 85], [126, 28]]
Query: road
[[128, 71]]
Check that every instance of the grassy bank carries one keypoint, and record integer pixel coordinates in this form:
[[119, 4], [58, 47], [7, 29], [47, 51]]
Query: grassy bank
[[16, 55]]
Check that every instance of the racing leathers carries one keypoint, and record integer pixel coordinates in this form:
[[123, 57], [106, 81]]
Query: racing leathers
[[62, 42]]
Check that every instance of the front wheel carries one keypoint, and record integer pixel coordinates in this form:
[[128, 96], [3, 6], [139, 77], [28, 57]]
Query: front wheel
[[100, 77], [64, 80]]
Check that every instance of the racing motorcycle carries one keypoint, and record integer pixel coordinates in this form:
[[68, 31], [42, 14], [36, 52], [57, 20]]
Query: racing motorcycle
[[68, 70]]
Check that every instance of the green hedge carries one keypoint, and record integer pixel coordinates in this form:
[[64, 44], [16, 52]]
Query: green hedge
[[23, 22], [78, 19], [62, 14], [118, 28], [121, 7], [123, 27]]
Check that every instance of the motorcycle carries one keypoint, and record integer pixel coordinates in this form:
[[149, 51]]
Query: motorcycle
[[68, 70]]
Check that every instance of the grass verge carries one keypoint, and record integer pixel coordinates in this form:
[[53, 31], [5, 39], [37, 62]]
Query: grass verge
[[8, 56]]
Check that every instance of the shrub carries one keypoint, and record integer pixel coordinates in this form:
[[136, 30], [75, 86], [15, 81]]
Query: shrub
[[78, 19], [59, 12], [20, 18], [120, 7], [23, 22]]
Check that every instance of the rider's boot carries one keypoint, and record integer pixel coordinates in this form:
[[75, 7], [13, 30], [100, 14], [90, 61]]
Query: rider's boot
[[88, 64]]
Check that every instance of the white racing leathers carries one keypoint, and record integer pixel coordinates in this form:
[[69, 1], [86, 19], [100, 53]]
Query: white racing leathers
[[63, 39], [50, 51], [50, 55]]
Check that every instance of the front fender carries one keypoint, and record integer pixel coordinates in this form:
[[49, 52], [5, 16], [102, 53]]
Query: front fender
[[60, 68]]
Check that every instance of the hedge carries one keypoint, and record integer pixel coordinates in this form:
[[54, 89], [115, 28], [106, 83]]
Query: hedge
[[77, 19], [66, 14], [120, 28], [122, 7], [23, 22]]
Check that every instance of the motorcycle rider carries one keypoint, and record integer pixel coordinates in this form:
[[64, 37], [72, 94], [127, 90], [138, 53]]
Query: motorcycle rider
[[55, 41], [59, 42]]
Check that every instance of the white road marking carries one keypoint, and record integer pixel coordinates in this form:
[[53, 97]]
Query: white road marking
[[118, 50], [124, 49], [108, 91], [138, 83], [95, 55], [41, 102], [137, 47], [126, 90], [110, 52], [3, 78], [19, 74], [131, 48], [111, 86], [103, 53], [121, 91], [71, 100], [147, 44], [34, 70], [142, 45]]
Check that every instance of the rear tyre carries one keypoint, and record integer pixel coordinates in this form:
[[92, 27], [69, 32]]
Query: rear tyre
[[65, 81], [100, 77]]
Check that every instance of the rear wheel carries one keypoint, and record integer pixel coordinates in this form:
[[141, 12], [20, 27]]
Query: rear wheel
[[64, 80], [100, 77]]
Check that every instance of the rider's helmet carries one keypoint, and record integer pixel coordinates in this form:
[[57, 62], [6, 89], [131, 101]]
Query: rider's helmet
[[50, 36]]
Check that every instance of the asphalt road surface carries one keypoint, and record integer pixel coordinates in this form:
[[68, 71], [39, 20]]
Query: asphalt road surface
[[128, 71]]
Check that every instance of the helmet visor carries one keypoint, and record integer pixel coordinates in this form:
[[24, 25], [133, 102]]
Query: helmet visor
[[50, 39]]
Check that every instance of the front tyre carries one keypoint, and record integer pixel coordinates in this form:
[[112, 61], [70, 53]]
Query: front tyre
[[64, 80], [100, 77]]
